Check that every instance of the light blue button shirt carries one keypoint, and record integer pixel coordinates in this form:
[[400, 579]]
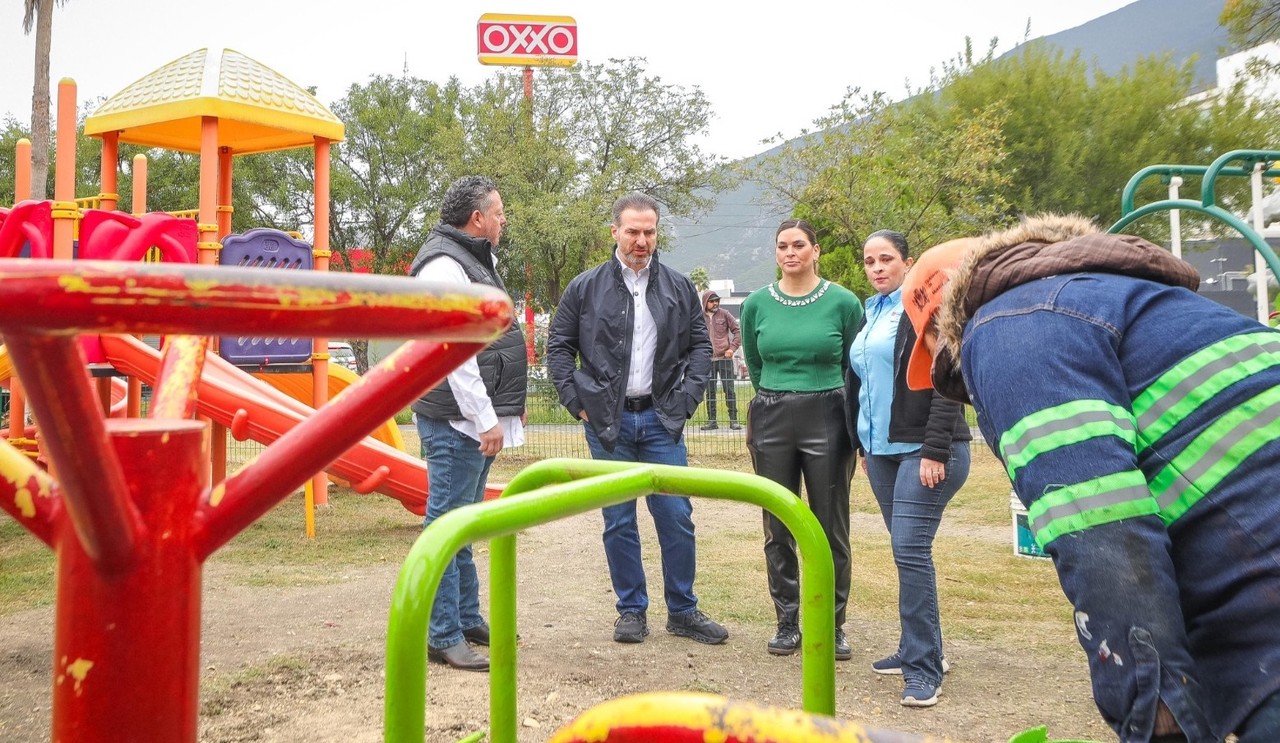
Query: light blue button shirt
[[871, 358]]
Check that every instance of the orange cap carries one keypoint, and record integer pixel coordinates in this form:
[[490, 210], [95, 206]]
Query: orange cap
[[922, 295]]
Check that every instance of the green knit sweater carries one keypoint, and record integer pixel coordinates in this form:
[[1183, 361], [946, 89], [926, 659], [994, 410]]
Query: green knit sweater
[[799, 344]]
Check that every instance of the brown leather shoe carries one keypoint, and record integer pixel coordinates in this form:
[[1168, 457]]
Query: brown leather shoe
[[461, 656], [478, 635]]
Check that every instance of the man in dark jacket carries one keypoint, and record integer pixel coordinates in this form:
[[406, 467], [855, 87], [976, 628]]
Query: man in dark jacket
[[629, 354], [725, 339], [468, 418]]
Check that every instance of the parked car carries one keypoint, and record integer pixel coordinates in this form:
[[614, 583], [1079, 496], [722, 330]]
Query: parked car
[[341, 354]]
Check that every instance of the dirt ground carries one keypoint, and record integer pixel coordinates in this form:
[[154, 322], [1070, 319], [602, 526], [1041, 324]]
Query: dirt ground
[[305, 663]]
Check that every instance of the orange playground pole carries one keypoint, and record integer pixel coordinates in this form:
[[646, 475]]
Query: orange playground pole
[[139, 207], [208, 247], [65, 210], [224, 192], [22, 171], [139, 185], [110, 182], [18, 397], [320, 346], [208, 244]]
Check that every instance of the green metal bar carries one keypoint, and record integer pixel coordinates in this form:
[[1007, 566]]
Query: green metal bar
[[404, 715], [1216, 212], [1208, 196], [816, 567], [554, 489]]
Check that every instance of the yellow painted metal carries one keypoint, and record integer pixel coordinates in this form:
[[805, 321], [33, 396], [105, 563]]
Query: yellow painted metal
[[258, 109]]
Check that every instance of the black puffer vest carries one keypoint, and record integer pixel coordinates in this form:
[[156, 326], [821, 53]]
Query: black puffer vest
[[504, 363]]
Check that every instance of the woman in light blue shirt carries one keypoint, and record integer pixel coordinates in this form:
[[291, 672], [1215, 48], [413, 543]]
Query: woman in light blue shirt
[[916, 456]]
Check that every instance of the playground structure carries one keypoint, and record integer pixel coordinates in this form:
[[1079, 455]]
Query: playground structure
[[236, 107], [133, 513], [1255, 164]]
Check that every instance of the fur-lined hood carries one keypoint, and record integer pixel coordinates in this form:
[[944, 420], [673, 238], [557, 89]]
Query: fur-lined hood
[[1047, 245]]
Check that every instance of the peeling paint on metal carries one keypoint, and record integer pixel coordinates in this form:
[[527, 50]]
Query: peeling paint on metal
[[37, 485], [216, 495], [78, 670], [26, 504]]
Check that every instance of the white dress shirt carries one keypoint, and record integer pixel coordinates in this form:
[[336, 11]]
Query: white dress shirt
[[465, 381], [644, 334]]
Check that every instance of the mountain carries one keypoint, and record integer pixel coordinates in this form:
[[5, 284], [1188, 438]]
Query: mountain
[[734, 238]]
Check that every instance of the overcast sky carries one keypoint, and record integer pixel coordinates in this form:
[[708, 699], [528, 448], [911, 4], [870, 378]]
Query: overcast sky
[[764, 72]]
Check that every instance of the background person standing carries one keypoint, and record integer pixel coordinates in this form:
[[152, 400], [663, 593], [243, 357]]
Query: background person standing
[[629, 355], [722, 326], [468, 418]]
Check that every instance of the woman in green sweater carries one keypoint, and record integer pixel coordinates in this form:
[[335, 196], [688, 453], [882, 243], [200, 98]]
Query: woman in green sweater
[[796, 335]]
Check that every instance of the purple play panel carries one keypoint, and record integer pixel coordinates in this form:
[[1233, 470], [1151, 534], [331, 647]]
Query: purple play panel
[[266, 248]]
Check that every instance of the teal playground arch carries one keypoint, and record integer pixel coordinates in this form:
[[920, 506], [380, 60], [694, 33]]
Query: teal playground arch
[[1224, 166]]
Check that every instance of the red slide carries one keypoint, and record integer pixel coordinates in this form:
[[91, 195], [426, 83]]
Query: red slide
[[224, 391]]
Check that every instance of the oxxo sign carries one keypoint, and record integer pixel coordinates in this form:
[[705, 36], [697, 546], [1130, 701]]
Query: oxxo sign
[[527, 40]]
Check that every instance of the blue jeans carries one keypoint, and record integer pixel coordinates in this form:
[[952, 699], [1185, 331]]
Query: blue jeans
[[642, 438], [913, 512], [1263, 724], [456, 475]]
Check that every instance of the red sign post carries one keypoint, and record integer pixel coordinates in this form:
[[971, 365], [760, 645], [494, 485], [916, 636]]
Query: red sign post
[[527, 41]]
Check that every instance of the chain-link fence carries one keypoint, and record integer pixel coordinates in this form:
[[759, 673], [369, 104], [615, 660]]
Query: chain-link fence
[[552, 432]]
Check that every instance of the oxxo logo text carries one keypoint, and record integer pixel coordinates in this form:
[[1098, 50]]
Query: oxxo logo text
[[519, 38]]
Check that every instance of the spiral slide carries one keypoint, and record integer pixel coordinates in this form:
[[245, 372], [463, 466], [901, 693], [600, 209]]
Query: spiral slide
[[224, 390]]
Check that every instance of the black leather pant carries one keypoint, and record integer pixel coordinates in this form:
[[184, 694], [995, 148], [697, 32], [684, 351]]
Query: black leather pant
[[802, 434]]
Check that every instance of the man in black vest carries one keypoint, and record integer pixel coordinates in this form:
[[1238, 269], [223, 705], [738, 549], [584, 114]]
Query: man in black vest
[[466, 420]]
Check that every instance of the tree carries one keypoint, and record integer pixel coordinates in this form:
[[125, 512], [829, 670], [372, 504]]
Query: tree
[[874, 165], [1251, 22], [700, 278], [595, 132], [402, 150], [39, 13], [1074, 136], [992, 138]]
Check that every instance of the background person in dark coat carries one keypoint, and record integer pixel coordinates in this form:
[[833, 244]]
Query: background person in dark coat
[[629, 354]]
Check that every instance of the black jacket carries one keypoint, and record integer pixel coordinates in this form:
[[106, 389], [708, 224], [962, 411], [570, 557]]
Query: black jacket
[[915, 416], [589, 347], [504, 363]]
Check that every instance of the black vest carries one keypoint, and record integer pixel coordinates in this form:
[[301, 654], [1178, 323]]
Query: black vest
[[503, 363]]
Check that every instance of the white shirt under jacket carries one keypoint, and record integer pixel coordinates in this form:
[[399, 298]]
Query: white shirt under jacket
[[465, 381]]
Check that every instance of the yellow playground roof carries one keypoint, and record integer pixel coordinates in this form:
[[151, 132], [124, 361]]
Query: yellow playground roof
[[258, 109]]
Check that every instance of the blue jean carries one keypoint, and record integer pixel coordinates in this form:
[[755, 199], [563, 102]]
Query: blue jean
[[1263, 724], [642, 438], [913, 512], [456, 475]]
